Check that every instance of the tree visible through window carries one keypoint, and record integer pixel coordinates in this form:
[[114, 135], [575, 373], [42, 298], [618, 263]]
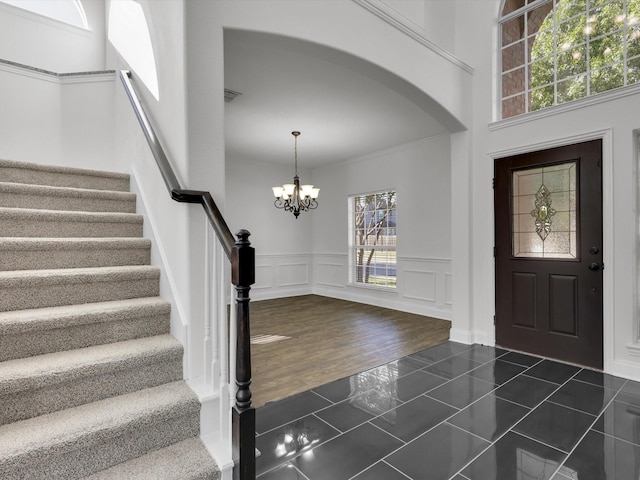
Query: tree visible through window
[[372, 238], [556, 51]]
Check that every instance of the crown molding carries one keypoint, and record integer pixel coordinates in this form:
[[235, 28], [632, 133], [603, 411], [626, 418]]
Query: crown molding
[[382, 10]]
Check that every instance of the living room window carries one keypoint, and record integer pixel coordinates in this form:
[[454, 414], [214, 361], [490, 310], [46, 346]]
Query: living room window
[[372, 239], [556, 51]]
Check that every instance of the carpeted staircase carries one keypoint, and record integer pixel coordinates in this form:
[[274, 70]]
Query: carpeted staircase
[[90, 378]]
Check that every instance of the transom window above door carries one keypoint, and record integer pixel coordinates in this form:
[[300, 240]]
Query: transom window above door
[[556, 51]]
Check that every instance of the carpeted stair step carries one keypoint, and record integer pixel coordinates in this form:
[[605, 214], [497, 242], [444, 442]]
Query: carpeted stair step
[[24, 333], [186, 460], [28, 289], [47, 383], [22, 222], [20, 195], [83, 440], [25, 253], [36, 174]]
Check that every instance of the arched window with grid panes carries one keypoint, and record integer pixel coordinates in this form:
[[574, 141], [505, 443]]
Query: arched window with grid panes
[[557, 51]]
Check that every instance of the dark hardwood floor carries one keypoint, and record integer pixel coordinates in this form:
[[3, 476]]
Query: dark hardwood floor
[[329, 339]]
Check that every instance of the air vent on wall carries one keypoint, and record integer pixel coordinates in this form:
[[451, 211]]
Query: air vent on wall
[[229, 95]]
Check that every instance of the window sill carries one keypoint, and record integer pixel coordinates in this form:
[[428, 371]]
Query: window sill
[[376, 288], [614, 94]]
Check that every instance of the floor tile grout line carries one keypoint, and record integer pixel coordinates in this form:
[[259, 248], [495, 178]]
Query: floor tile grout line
[[466, 431], [283, 424], [541, 443], [457, 409], [327, 399], [616, 438], [596, 417], [544, 380], [403, 402], [590, 428], [358, 425], [294, 419], [355, 396], [315, 446], [376, 463], [279, 465], [340, 432], [540, 359], [367, 370], [424, 394], [391, 466], [575, 409], [519, 421], [511, 401], [491, 444], [445, 420], [388, 433], [495, 387], [526, 368], [596, 385], [417, 437]]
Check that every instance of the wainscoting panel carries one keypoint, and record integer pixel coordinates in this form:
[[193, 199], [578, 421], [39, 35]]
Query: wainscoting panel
[[264, 277], [448, 288], [424, 285], [293, 274], [419, 285], [282, 276], [331, 274]]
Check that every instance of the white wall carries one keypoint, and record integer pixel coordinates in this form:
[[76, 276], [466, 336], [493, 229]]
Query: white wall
[[49, 118], [87, 128], [377, 43], [309, 254], [62, 120], [611, 116], [420, 173], [284, 244], [178, 230], [30, 124], [41, 42]]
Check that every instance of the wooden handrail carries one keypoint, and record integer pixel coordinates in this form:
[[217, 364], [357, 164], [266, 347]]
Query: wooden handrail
[[242, 257], [171, 181], [213, 214]]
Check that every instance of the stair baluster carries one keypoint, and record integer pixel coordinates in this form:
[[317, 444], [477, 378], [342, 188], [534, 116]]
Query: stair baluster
[[242, 258]]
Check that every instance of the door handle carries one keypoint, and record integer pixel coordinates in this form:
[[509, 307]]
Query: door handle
[[594, 267]]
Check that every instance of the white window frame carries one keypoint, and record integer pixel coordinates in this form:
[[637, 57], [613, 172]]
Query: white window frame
[[527, 63], [386, 282]]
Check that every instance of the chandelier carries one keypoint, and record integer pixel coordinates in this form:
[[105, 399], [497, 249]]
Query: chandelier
[[292, 197]]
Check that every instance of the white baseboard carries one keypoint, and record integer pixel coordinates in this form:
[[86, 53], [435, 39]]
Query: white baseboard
[[385, 301]]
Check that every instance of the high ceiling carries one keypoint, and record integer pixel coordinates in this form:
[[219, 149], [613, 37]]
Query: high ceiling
[[344, 107]]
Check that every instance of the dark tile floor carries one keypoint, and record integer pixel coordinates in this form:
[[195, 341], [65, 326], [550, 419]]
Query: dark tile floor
[[456, 412]]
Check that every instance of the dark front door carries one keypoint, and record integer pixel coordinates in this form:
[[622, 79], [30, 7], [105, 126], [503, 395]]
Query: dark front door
[[548, 221]]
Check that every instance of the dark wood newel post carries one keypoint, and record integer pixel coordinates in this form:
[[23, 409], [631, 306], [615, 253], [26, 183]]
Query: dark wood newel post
[[244, 415]]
